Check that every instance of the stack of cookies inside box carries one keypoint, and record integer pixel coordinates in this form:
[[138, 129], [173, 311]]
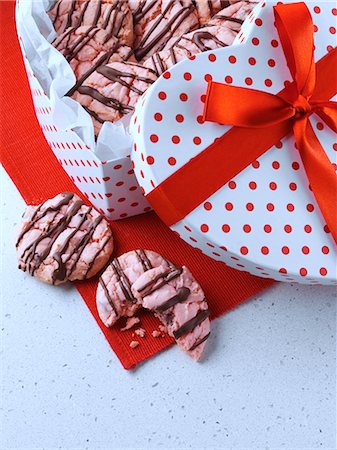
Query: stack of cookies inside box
[[118, 48]]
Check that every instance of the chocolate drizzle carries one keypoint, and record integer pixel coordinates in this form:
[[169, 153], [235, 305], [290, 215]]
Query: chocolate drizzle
[[123, 280], [144, 260], [78, 250], [67, 196], [228, 18], [144, 7], [91, 264], [158, 64], [70, 14], [103, 59], [61, 272], [152, 286], [107, 101], [83, 11], [182, 295], [70, 53], [150, 39], [97, 12], [117, 76], [93, 114], [199, 37], [32, 259], [106, 292], [191, 324], [199, 342], [113, 10]]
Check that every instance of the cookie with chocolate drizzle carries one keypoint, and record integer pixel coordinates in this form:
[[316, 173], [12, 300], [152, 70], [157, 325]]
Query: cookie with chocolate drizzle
[[159, 23], [114, 297], [114, 16], [113, 90], [63, 239], [179, 302], [87, 47]]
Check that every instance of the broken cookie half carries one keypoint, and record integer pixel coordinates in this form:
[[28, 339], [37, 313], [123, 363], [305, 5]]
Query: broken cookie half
[[145, 279]]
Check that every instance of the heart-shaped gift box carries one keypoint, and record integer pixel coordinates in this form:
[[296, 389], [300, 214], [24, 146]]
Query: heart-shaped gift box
[[266, 219]]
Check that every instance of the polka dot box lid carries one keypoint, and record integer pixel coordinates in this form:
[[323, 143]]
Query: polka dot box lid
[[266, 220]]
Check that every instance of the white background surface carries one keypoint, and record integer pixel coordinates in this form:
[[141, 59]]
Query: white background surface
[[268, 382]]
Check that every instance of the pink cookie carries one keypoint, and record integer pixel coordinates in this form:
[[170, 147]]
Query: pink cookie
[[179, 302], [233, 16], [63, 239], [113, 90], [114, 297], [206, 9], [158, 24], [112, 15], [83, 47]]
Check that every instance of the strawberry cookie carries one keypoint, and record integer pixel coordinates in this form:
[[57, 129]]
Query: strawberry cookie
[[114, 297], [83, 47], [114, 16], [63, 239], [158, 24], [113, 90], [142, 278]]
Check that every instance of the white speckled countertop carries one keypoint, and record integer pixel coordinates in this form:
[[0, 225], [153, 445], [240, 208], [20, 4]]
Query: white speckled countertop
[[269, 380]]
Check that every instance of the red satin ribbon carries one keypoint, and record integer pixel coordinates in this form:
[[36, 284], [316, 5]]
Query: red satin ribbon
[[259, 121]]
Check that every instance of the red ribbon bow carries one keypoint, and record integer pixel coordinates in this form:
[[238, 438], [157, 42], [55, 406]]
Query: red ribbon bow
[[259, 121]]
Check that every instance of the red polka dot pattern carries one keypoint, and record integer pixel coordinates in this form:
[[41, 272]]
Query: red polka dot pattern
[[262, 215]]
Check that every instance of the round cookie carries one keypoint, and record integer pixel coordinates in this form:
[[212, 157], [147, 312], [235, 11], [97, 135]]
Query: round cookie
[[112, 15], [179, 302], [233, 16], [63, 239], [112, 91], [114, 297], [84, 46], [158, 24]]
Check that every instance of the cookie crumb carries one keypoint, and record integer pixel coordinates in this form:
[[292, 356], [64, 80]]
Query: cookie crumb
[[162, 328], [131, 322], [156, 333], [140, 332], [134, 344]]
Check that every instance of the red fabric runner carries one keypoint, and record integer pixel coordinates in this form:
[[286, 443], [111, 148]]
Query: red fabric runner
[[37, 174]]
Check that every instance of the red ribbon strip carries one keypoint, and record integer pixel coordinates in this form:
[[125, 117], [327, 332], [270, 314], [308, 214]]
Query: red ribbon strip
[[259, 121]]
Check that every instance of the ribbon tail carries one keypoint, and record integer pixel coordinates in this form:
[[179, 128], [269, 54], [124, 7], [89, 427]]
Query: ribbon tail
[[320, 172], [327, 111]]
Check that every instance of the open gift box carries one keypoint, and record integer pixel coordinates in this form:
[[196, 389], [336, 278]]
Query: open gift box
[[265, 219], [106, 179]]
